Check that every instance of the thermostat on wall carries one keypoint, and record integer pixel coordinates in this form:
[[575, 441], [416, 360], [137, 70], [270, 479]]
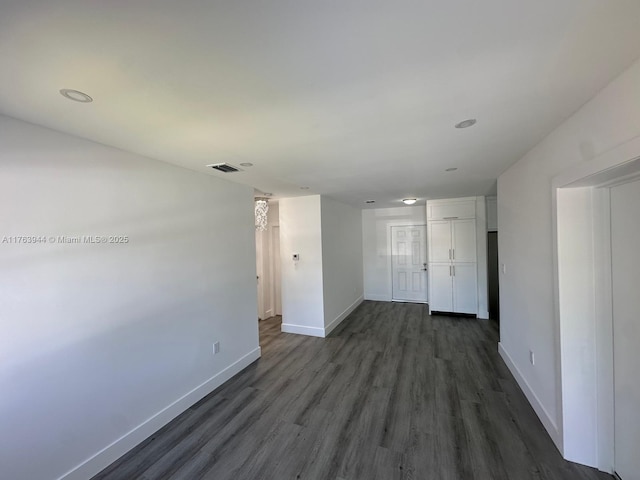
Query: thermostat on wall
[[296, 257]]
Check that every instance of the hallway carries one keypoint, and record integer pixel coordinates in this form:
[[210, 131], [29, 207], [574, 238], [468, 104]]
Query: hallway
[[392, 394]]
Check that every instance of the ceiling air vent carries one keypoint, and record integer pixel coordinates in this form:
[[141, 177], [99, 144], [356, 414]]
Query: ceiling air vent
[[224, 167]]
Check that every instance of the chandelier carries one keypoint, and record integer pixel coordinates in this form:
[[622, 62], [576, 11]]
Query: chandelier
[[261, 209]]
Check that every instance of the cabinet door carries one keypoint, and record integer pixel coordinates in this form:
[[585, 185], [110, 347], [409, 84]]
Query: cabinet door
[[465, 288], [440, 287], [451, 209], [464, 240], [440, 241]]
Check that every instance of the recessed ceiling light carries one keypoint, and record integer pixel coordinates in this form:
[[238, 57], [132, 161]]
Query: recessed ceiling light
[[304, 188], [370, 201], [75, 95], [452, 169], [467, 123], [409, 201], [246, 164]]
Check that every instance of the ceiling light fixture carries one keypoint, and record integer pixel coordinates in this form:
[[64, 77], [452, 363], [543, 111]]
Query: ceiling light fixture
[[268, 194], [75, 95], [467, 123], [370, 201], [409, 201], [261, 210], [452, 169], [246, 164], [304, 188]]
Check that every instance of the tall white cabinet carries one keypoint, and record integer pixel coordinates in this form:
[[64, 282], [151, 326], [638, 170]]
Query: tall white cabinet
[[452, 254]]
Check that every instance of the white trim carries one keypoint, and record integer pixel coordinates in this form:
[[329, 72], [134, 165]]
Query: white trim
[[129, 440], [604, 330], [446, 201], [616, 157], [377, 298], [302, 330], [334, 323], [538, 407], [599, 174]]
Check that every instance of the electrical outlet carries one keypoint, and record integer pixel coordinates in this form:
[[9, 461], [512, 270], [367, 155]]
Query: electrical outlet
[[532, 357], [216, 347]]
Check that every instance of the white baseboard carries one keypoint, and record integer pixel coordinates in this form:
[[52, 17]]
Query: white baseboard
[[548, 422], [112, 452], [483, 315], [302, 330], [335, 322], [377, 298]]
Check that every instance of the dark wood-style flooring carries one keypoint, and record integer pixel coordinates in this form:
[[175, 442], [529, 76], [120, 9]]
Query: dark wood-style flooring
[[392, 394]]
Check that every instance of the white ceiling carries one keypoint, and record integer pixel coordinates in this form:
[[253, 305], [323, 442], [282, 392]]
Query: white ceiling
[[355, 99]]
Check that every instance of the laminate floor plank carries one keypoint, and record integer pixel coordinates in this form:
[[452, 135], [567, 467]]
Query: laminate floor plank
[[187, 448], [392, 393], [483, 442], [160, 444], [397, 426], [362, 445], [452, 456]]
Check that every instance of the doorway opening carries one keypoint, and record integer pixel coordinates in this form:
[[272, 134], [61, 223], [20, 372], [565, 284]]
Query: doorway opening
[[597, 261], [493, 268], [268, 275]]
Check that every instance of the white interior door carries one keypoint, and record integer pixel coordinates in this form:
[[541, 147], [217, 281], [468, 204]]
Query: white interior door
[[409, 263], [259, 274], [625, 242]]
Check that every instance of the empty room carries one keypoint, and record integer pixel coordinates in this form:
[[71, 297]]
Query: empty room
[[355, 240]]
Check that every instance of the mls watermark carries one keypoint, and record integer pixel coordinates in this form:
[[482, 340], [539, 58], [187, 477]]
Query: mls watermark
[[64, 239]]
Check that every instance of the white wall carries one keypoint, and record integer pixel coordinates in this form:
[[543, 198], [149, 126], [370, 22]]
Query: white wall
[[376, 245], [481, 256], [302, 286], [492, 214], [341, 261], [325, 285], [106, 343], [525, 212], [273, 215]]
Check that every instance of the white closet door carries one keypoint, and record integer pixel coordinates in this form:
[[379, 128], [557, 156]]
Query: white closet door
[[465, 289], [464, 240], [440, 241], [441, 292], [625, 238]]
